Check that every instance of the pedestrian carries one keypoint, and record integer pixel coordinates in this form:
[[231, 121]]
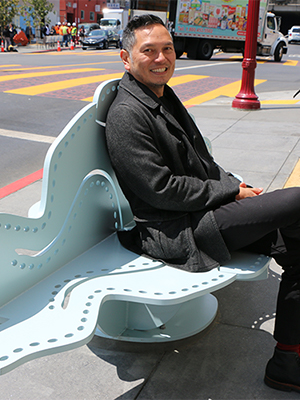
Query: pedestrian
[[81, 33], [74, 32], [65, 34], [12, 33], [28, 33], [6, 37], [188, 211]]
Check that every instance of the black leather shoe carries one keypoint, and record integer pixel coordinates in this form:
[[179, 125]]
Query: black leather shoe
[[283, 371]]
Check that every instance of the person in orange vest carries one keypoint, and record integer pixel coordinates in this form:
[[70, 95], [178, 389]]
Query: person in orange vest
[[56, 27], [60, 29]]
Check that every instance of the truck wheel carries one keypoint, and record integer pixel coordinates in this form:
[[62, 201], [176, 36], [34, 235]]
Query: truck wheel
[[205, 50], [278, 53]]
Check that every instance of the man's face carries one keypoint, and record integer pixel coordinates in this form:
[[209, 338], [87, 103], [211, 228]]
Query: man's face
[[152, 59]]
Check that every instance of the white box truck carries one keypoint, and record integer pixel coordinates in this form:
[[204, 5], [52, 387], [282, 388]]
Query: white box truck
[[200, 26], [114, 19]]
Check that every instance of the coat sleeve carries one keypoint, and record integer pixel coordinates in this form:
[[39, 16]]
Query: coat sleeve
[[142, 168]]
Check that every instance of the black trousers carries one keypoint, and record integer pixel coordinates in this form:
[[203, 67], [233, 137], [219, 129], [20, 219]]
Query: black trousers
[[270, 224]]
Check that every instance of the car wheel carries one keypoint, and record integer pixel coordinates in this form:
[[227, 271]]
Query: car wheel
[[278, 53], [106, 45], [84, 48]]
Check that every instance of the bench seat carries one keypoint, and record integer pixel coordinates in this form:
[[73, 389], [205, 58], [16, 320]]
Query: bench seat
[[65, 275]]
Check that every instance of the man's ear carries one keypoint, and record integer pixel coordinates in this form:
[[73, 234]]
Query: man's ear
[[125, 58]]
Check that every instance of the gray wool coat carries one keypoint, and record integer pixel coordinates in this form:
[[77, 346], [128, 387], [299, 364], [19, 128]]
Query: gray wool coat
[[169, 178]]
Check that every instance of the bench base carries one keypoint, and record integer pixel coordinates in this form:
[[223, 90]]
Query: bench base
[[192, 317]]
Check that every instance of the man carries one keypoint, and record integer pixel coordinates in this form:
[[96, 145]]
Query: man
[[188, 211], [74, 32]]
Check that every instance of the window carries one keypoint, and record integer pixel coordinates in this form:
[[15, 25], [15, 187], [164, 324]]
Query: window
[[271, 23], [92, 15], [82, 14]]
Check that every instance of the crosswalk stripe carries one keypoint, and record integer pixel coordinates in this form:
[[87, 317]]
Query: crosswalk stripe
[[48, 73], [178, 80], [230, 90], [53, 66], [291, 63], [71, 83]]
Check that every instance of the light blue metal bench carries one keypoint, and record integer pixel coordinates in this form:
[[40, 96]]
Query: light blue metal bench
[[64, 274]]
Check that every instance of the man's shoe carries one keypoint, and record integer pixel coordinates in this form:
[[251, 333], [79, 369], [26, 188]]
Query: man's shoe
[[283, 371]]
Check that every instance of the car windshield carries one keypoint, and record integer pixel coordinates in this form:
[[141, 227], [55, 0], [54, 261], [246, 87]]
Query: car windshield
[[97, 32], [108, 22]]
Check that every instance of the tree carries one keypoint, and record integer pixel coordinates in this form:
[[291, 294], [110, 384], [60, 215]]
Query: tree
[[37, 11], [8, 10]]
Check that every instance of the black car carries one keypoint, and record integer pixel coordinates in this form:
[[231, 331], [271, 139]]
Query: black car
[[100, 39]]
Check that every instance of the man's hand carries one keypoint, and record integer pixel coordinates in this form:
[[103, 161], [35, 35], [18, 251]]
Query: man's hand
[[246, 191]]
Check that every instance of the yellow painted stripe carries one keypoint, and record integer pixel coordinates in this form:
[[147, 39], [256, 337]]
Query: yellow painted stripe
[[230, 90], [62, 66], [291, 63], [178, 80], [52, 87], [294, 179], [280, 101], [48, 73], [89, 99], [10, 65]]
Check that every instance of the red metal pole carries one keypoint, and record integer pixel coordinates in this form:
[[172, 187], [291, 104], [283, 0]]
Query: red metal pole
[[246, 99]]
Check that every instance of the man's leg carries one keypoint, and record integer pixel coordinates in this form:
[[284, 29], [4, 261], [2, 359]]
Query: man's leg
[[270, 224]]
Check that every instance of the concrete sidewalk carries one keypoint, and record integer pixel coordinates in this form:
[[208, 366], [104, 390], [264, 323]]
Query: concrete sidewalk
[[228, 359]]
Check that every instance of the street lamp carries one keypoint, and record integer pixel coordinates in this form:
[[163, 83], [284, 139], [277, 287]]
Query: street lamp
[[246, 99]]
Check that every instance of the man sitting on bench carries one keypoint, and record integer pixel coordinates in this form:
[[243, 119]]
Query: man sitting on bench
[[188, 211]]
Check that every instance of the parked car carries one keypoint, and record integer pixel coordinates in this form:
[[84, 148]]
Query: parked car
[[100, 39], [294, 34], [114, 38], [120, 33], [88, 27]]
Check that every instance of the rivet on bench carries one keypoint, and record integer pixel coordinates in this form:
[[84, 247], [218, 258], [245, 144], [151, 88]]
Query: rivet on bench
[[17, 350]]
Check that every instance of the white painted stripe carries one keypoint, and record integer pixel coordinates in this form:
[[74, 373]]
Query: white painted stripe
[[206, 65], [27, 136]]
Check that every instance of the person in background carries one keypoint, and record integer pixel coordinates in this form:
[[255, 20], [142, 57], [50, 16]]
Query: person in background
[[74, 33]]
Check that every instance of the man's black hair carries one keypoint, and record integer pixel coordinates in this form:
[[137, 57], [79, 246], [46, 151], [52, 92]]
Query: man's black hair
[[138, 21]]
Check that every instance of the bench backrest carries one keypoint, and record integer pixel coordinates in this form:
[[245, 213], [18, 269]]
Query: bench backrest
[[81, 203]]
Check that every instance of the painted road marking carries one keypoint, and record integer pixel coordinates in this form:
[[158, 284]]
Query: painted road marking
[[291, 63], [277, 102], [203, 66], [230, 90], [21, 183], [48, 73], [55, 66], [10, 65], [27, 136], [294, 178], [71, 83], [177, 80]]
